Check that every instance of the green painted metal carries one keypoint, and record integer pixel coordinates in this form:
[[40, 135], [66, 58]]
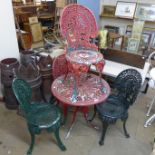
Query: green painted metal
[[126, 88], [39, 115]]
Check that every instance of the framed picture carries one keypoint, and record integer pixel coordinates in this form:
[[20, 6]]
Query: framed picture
[[125, 9], [36, 31], [108, 10], [133, 45], [153, 43], [145, 38], [145, 12]]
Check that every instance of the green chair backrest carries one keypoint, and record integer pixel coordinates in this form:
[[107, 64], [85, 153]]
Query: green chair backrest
[[128, 84], [23, 93]]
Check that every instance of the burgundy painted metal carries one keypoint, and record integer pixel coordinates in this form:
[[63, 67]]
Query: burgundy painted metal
[[76, 87], [59, 66], [89, 92], [78, 26]]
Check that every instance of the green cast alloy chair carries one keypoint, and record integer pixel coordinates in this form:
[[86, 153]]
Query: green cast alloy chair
[[126, 88], [38, 115]]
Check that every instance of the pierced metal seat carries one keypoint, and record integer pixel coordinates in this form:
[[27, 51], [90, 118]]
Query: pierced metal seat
[[44, 115], [111, 111]]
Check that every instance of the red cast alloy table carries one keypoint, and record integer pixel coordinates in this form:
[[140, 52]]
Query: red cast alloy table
[[89, 93]]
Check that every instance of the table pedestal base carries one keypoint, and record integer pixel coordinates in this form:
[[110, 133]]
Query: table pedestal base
[[84, 111]]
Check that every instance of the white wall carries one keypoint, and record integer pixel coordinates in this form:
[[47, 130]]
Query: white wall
[[8, 40]]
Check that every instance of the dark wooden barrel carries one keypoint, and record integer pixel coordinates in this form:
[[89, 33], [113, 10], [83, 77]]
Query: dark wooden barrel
[[36, 90], [9, 67], [27, 57], [46, 75], [9, 98], [45, 68], [30, 73]]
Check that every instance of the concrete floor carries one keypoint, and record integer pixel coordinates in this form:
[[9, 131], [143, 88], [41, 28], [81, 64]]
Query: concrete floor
[[15, 139]]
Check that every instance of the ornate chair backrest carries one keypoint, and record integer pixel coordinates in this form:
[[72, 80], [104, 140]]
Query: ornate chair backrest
[[78, 26], [59, 66], [128, 84], [23, 93]]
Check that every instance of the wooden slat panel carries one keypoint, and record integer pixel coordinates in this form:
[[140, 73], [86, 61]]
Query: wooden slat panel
[[124, 58]]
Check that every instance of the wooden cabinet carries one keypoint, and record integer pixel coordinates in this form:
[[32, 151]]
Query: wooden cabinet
[[17, 2], [24, 40]]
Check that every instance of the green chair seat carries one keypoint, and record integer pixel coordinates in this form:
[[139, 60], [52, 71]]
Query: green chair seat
[[45, 116], [110, 111]]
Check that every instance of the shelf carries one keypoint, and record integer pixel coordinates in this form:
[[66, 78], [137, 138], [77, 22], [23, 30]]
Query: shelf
[[114, 17]]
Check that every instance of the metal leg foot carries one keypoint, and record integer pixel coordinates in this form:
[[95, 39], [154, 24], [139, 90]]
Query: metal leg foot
[[60, 144], [29, 152], [124, 128], [105, 126], [94, 114], [89, 122]]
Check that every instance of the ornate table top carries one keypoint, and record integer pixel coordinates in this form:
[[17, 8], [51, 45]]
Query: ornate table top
[[90, 90]]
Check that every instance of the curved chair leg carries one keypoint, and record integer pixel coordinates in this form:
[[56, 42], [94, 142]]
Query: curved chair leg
[[94, 114], [105, 126], [60, 144], [124, 128], [65, 113], [29, 152]]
